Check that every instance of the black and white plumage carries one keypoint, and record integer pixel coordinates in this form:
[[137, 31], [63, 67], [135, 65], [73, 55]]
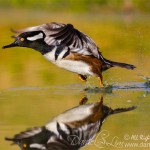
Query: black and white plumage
[[66, 35], [66, 47], [70, 130]]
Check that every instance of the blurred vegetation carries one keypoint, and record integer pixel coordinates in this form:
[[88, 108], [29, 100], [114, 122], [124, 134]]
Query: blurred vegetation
[[80, 5]]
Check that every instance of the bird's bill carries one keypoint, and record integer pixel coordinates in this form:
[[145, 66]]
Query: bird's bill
[[14, 44]]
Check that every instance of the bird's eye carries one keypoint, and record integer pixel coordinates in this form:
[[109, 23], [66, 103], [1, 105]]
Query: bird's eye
[[24, 145], [21, 39]]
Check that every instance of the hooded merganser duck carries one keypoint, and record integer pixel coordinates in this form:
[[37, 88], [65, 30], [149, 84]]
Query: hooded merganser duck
[[70, 130], [66, 47]]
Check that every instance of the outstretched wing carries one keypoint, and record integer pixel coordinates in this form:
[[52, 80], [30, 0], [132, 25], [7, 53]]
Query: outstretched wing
[[26, 134], [67, 35]]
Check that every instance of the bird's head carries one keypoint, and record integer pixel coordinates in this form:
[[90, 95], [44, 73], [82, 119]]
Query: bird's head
[[28, 39]]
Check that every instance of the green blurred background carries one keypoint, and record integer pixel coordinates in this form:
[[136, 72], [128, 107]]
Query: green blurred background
[[32, 90], [80, 5]]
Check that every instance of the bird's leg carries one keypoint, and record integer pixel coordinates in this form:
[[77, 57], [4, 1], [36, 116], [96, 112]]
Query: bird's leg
[[101, 98], [83, 100], [82, 77], [100, 78]]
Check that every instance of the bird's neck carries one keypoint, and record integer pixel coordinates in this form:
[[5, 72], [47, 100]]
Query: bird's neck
[[43, 48]]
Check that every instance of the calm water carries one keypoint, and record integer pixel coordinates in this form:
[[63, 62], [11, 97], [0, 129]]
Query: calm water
[[32, 90]]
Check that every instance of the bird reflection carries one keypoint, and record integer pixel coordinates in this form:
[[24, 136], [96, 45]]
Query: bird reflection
[[71, 130]]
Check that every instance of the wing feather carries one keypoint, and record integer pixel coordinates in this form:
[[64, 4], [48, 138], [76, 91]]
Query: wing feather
[[67, 35], [28, 133]]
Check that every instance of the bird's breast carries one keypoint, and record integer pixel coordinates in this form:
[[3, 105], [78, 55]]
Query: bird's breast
[[57, 57], [57, 53]]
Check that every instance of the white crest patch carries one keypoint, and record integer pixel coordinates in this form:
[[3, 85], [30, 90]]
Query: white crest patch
[[35, 37]]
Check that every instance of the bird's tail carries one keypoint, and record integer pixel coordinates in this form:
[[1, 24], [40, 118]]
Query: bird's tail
[[120, 110], [123, 65], [109, 111]]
